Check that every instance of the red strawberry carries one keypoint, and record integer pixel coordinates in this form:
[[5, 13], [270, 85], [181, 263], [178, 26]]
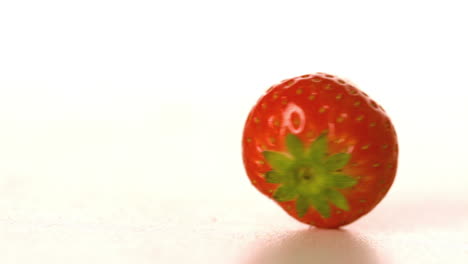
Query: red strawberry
[[321, 148]]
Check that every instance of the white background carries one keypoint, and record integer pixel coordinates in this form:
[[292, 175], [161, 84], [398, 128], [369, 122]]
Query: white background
[[121, 122]]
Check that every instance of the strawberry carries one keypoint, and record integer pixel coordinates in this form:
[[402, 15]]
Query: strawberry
[[321, 148]]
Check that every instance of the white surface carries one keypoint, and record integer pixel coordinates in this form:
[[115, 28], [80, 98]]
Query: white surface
[[120, 127]]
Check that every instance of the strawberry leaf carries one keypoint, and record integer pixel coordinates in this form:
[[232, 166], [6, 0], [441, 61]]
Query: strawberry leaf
[[278, 161], [274, 177], [294, 145], [285, 193], [318, 149], [338, 199], [302, 206], [341, 181], [320, 205], [309, 175], [337, 161]]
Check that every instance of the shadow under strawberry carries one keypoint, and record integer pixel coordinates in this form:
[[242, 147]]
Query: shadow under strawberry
[[314, 246]]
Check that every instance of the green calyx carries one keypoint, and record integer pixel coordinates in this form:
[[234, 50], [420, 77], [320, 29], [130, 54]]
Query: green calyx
[[309, 175]]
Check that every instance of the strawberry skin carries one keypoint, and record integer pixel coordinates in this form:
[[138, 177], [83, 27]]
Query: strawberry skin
[[321, 149]]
